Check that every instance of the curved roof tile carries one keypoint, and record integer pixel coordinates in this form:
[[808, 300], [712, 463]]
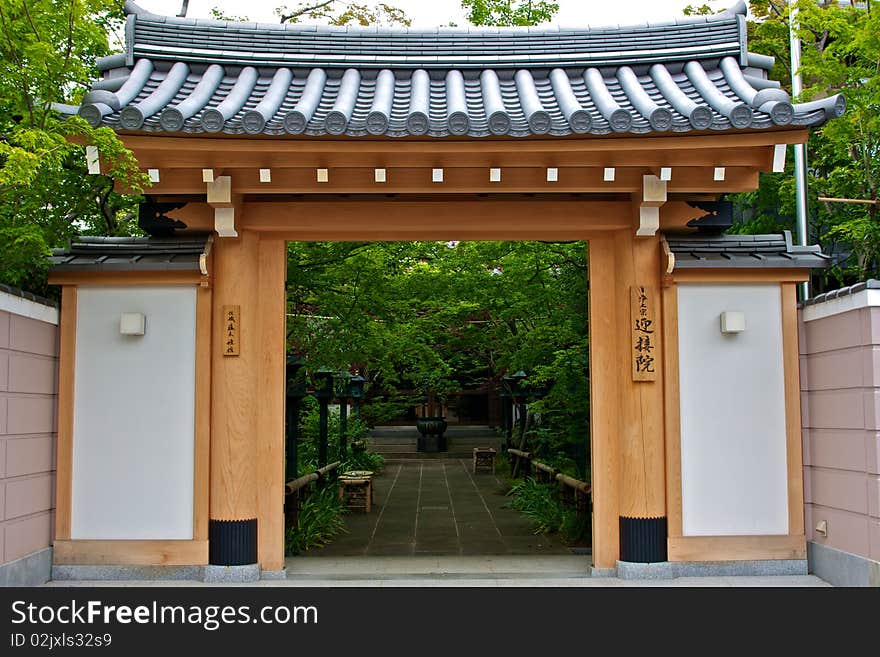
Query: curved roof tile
[[192, 76]]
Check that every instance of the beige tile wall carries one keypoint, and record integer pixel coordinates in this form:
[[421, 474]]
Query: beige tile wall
[[28, 385], [840, 383]]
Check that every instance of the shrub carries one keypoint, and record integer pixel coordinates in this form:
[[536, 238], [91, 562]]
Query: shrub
[[363, 460], [320, 520], [540, 503]]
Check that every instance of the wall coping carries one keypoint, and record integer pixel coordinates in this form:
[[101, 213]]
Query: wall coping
[[28, 305], [836, 302]]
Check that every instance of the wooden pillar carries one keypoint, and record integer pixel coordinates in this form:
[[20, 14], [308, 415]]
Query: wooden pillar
[[233, 526], [270, 412], [604, 400], [643, 523]]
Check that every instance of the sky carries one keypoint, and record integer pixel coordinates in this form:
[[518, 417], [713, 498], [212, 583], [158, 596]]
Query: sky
[[430, 13]]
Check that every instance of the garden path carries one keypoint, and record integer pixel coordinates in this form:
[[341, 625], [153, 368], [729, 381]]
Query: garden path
[[438, 507]]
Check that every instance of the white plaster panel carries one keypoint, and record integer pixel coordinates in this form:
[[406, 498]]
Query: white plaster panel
[[733, 440], [134, 415]]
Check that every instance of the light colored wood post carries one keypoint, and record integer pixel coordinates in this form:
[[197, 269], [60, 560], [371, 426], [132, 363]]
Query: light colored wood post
[[641, 429], [794, 440], [234, 406], [604, 401], [270, 405], [64, 460]]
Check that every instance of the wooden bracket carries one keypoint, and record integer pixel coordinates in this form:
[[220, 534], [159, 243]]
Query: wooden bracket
[[667, 263], [220, 197], [653, 196]]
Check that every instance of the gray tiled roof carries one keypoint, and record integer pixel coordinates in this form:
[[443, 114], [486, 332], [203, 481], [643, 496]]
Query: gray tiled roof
[[130, 254], [870, 284], [36, 298], [743, 251], [198, 76]]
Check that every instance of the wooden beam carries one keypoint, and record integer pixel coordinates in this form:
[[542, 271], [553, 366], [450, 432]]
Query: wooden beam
[[130, 553], [736, 548], [66, 387], [674, 215], [219, 152], [793, 441], [412, 220], [456, 180]]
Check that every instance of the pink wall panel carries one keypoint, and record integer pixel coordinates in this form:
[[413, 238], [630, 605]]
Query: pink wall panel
[[28, 393], [841, 379]]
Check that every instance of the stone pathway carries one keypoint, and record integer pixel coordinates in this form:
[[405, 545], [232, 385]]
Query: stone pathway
[[438, 507]]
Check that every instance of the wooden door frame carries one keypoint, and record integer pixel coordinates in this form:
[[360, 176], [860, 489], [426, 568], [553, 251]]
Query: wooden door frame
[[604, 378]]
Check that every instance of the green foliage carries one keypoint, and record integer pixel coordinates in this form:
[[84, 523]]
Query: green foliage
[[321, 519], [48, 50], [435, 317], [503, 13], [336, 12], [540, 503], [840, 53], [537, 502], [307, 447], [363, 460]]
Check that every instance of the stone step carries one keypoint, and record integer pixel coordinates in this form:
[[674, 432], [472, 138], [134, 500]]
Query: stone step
[[454, 445], [486, 441]]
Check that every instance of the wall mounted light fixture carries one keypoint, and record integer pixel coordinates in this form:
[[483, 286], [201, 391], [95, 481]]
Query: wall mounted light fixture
[[132, 324], [733, 322]]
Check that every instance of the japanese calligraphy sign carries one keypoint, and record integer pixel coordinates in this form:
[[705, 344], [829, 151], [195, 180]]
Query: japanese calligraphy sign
[[231, 330], [643, 334]]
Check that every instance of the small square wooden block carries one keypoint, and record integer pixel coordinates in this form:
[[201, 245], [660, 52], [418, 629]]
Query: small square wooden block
[[484, 459], [356, 493]]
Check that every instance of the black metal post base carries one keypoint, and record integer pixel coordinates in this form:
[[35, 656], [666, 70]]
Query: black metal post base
[[643, 540], [232, 542]]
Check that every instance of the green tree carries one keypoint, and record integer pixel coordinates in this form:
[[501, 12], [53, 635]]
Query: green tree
[[48, 50], [840, 53], [439, 317], [335, 12], [503, 13]]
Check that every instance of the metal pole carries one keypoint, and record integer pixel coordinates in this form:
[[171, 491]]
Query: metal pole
[[293, 406], [506, 412], [800, 150], [343, 427], [323, 402]]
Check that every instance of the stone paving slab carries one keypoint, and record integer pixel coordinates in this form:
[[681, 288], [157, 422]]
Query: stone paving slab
[[438, 507]]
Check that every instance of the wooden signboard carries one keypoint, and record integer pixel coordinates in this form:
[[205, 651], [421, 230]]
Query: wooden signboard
[[231, 327], [643, 333]]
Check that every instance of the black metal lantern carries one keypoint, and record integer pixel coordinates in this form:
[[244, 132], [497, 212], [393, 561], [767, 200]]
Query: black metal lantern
[[506, 395], [356, 393], [343, 384], [518, 386], [324, 383], [356, 387], [518, 389]]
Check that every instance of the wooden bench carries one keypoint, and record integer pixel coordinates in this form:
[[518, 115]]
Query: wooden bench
[[484, 459], [356, 493]]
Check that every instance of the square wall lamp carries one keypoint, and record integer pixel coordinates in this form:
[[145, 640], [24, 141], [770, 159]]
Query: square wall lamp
[[132, 324], [733, 321]]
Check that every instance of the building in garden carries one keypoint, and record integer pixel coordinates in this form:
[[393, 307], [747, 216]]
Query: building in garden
[[255, 135]]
